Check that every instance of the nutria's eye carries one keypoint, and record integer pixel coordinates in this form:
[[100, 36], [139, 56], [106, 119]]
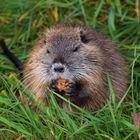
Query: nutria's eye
[[48, 51], [76, 49]]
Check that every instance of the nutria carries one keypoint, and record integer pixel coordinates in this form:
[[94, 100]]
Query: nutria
[[80, 54]]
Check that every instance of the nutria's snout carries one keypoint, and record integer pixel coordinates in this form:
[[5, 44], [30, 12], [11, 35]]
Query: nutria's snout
[[58, 68], [65, 87]]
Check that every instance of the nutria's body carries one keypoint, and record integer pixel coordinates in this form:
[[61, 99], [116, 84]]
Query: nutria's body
[[80, 54]]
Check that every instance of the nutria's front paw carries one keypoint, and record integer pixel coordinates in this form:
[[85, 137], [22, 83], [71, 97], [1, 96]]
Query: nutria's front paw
[[64, 87]]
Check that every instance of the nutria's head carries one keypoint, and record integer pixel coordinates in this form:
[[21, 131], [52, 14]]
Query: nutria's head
[[66, 52], [71, 52]]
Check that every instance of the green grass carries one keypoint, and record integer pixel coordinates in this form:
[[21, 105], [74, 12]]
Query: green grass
[[21, 21]]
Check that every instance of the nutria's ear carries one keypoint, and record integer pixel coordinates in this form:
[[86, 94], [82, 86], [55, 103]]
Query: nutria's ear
[[85, 36]]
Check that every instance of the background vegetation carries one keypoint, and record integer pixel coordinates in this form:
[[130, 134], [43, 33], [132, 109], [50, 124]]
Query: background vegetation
[[21, 21]]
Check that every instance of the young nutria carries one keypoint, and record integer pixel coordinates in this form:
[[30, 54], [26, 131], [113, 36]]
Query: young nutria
[[81, 55]]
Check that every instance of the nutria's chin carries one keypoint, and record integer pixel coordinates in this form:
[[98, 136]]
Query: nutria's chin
[[76, 53]]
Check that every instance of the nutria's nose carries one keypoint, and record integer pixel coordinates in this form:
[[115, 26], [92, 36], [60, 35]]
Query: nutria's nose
[[58, 67]]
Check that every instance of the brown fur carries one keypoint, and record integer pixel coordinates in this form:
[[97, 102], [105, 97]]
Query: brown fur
[[108, 60]]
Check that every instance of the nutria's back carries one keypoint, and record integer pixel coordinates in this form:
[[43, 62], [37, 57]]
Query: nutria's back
[[79, 54]]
